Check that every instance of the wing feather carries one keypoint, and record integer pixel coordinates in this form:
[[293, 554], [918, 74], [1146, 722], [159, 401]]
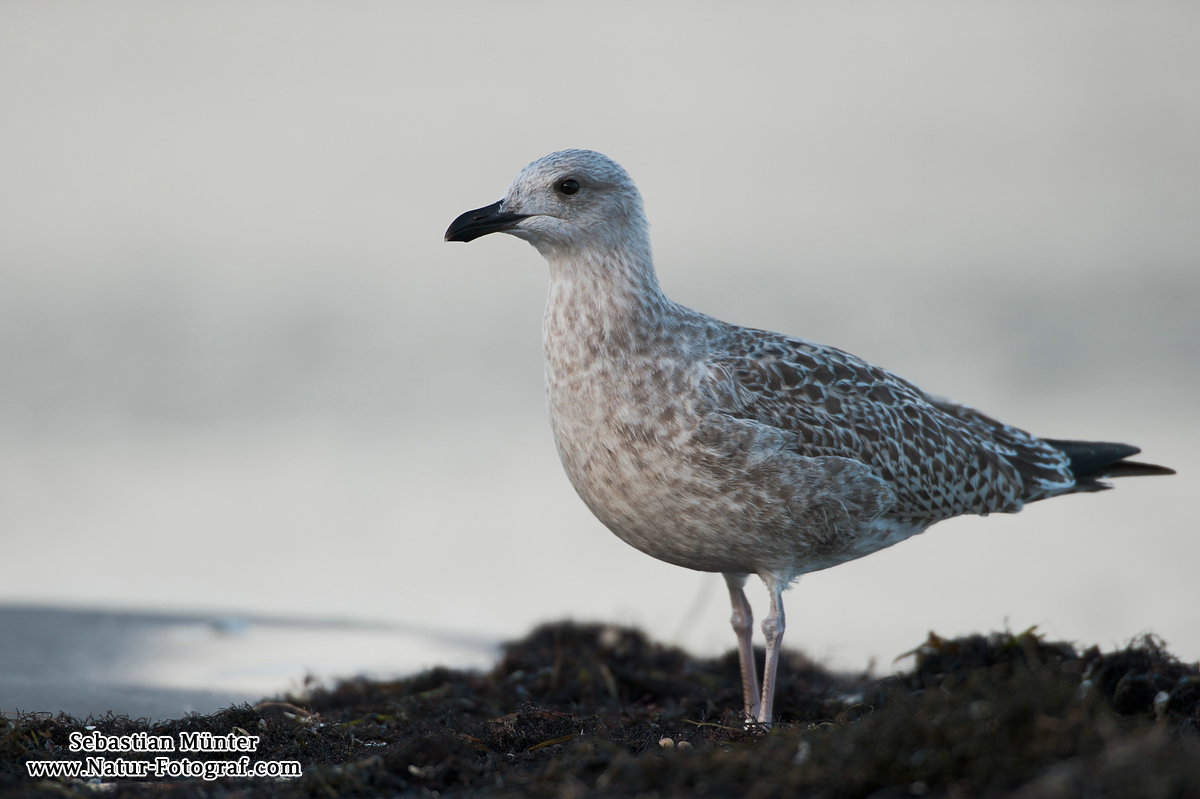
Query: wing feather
[[941, 459]]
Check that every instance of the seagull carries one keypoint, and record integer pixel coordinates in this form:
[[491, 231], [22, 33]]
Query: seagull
[[727, 449]]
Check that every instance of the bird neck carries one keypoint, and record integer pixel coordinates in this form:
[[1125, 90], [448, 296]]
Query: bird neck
[[607, 290]]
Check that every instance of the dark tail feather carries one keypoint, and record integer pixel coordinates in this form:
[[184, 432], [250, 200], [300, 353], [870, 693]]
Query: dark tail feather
[[1092, 461]]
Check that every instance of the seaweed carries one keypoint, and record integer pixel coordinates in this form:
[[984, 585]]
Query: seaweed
[[581, 710]]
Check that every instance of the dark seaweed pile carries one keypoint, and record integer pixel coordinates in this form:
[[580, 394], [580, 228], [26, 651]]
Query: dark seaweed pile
[[589, 710]]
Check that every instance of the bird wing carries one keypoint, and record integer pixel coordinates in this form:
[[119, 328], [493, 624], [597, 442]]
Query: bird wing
[[941, 459]]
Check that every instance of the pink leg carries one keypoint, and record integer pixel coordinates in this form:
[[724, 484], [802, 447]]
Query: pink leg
[[743, 627], [772, 627]]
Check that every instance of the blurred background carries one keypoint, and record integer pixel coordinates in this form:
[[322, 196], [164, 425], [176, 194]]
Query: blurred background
[[257, 418]]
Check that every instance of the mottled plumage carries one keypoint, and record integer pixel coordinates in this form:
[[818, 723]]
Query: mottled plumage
[[727, 449]]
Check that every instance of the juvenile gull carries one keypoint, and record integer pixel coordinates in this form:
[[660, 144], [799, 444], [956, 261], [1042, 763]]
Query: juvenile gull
[[727, 449]]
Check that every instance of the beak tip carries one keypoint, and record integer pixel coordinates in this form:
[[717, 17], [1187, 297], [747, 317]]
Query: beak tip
[[480, 222]]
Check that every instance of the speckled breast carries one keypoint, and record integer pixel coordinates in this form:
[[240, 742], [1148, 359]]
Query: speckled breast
[[631, 444]]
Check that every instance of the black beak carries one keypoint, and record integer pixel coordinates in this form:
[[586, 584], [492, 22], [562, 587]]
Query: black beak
[[480, 222]]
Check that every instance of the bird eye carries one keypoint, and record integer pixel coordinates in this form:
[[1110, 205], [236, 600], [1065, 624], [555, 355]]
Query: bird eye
[[569, 186]]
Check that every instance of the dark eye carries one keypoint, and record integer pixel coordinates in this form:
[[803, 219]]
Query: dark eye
[[569, 186]]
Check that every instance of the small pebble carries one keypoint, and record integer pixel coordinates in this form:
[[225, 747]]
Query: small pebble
[[666, 743], [979, 709], [1161, 700], [610, 636]]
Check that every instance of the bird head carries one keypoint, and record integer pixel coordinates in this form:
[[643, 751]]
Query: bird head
[[567, 201]]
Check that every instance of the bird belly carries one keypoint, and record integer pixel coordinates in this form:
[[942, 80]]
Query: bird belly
[[654, 502], [679, 496]]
